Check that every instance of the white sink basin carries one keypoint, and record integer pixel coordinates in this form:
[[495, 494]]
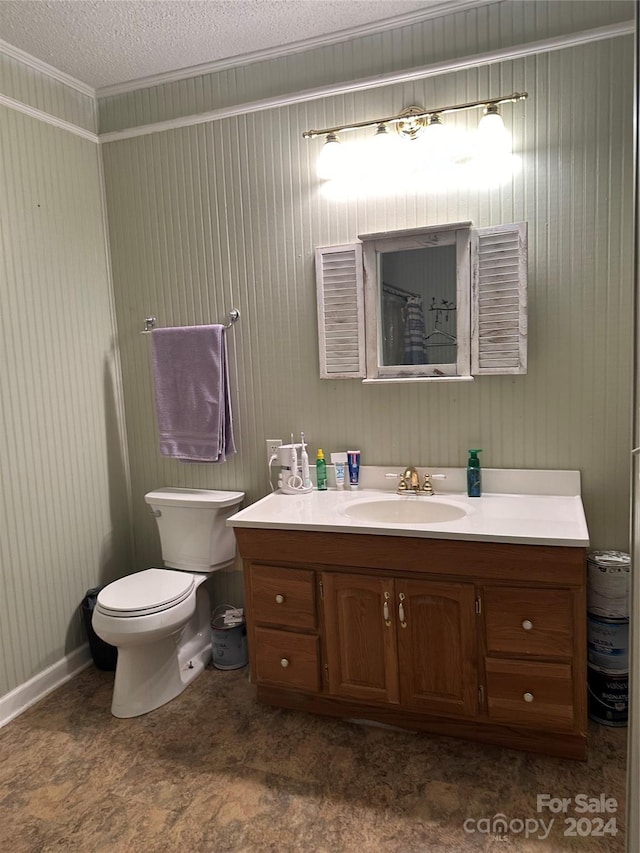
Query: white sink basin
[[404, 510]]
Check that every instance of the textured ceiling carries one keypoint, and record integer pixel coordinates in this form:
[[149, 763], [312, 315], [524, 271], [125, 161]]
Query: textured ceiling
[[108, 42]]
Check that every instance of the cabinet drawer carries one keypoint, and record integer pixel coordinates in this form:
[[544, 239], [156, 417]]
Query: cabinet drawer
[[287, 659], [283, 597], [530, 693], [524, 621]]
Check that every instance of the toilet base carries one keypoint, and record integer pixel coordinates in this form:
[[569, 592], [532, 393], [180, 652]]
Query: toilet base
[[148, 676]]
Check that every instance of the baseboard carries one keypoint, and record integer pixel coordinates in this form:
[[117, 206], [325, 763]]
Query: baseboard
[[18, 700]]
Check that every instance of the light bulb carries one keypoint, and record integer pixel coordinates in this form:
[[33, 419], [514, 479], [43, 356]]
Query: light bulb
[[437, 149], [494, 139], [330, 163], [382, 138], [436, 137], [382, 152]]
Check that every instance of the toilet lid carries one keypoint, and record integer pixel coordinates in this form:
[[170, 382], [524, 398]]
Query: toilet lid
[[145, 592]]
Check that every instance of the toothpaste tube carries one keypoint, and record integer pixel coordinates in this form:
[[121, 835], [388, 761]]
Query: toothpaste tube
[[353, 458]]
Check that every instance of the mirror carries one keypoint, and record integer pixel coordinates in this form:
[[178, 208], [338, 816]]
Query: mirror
[[445, 302], [418, 306], [417, 302]]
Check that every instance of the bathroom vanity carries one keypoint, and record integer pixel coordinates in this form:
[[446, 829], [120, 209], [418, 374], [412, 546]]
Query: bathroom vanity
[[473, 627]]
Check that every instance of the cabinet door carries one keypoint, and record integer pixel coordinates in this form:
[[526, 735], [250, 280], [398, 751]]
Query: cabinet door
[[437, 646], [360, 637]]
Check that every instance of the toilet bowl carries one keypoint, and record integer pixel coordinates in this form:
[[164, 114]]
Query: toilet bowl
[[159, 618]]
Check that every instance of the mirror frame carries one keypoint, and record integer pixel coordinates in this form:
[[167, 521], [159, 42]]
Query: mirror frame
[[375, 245]]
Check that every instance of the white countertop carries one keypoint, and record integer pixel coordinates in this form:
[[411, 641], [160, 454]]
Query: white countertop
[[534, 517]]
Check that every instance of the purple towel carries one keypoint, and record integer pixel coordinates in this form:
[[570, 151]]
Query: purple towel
[[192, 393]]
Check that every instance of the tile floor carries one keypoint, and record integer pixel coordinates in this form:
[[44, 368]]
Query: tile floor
[[214, 772]]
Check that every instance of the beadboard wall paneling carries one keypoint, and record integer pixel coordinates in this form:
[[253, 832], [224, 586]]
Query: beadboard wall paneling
[[228, 214], [27, 85], [464, 33], [63, 497], [633, 749]]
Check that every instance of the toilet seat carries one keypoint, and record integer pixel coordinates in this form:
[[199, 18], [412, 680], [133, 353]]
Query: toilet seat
[[144, 593]]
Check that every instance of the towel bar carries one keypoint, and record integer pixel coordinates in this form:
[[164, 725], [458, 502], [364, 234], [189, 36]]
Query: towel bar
[[150, 322]]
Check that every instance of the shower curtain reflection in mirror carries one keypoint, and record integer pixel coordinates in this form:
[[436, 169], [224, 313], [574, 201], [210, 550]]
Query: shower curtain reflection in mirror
[[408, 337], [418, 307]]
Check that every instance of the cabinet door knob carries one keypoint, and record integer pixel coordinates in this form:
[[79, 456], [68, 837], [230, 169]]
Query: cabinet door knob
[[279, 598], [527, 625], [284, 663], [528, 697]]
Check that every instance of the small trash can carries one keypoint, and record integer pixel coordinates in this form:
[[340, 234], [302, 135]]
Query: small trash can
[[105, 656], [229, 637]]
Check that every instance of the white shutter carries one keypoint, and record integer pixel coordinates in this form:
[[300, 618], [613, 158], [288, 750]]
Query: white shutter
[[499, 300], [339, 283]]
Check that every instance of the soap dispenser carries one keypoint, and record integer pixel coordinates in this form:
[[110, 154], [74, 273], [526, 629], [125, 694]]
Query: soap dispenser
[[474, 475]]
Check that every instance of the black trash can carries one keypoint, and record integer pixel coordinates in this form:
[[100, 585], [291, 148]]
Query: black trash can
[[105, 656]]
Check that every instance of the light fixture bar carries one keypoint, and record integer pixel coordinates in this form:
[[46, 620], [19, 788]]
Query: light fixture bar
[[454, 108]]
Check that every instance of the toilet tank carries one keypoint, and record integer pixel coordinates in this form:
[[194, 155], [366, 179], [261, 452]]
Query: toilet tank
[[193, 527]]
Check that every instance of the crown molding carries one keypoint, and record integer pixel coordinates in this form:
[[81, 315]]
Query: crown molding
[[423, 72], [47, 118], [475, 61], [437, 10], [44, 68]]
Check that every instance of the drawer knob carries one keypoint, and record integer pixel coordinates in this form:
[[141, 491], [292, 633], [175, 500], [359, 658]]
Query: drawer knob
[[284, 663], [279, 598], [527, 625], [528, 697]]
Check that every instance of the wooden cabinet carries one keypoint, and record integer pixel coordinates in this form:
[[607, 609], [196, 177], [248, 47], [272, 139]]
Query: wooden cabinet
[[437, 646], [525, 621], [478, 640], [403, 641], [285, 599], [360, 637], [539, 694], [289, 659], [529, 634]]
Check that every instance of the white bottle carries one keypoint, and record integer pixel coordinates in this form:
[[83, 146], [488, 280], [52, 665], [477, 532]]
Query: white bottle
[[339, 460]]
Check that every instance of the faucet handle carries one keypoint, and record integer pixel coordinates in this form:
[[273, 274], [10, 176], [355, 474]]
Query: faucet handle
[[427, 486], [402, 478]]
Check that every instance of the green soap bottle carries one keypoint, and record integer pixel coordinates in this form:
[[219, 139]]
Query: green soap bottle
[[474, 475], [321, 471]]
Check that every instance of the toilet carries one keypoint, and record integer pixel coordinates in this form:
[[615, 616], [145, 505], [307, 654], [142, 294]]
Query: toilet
[[159, 619]]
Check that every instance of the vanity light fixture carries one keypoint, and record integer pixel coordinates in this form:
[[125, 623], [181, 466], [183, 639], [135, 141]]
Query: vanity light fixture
[[384, 142], [491, 117], [383, 150], [411, 124], [434, 121], [382, 137], [331, 158], [436, 135], [492, 134]]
